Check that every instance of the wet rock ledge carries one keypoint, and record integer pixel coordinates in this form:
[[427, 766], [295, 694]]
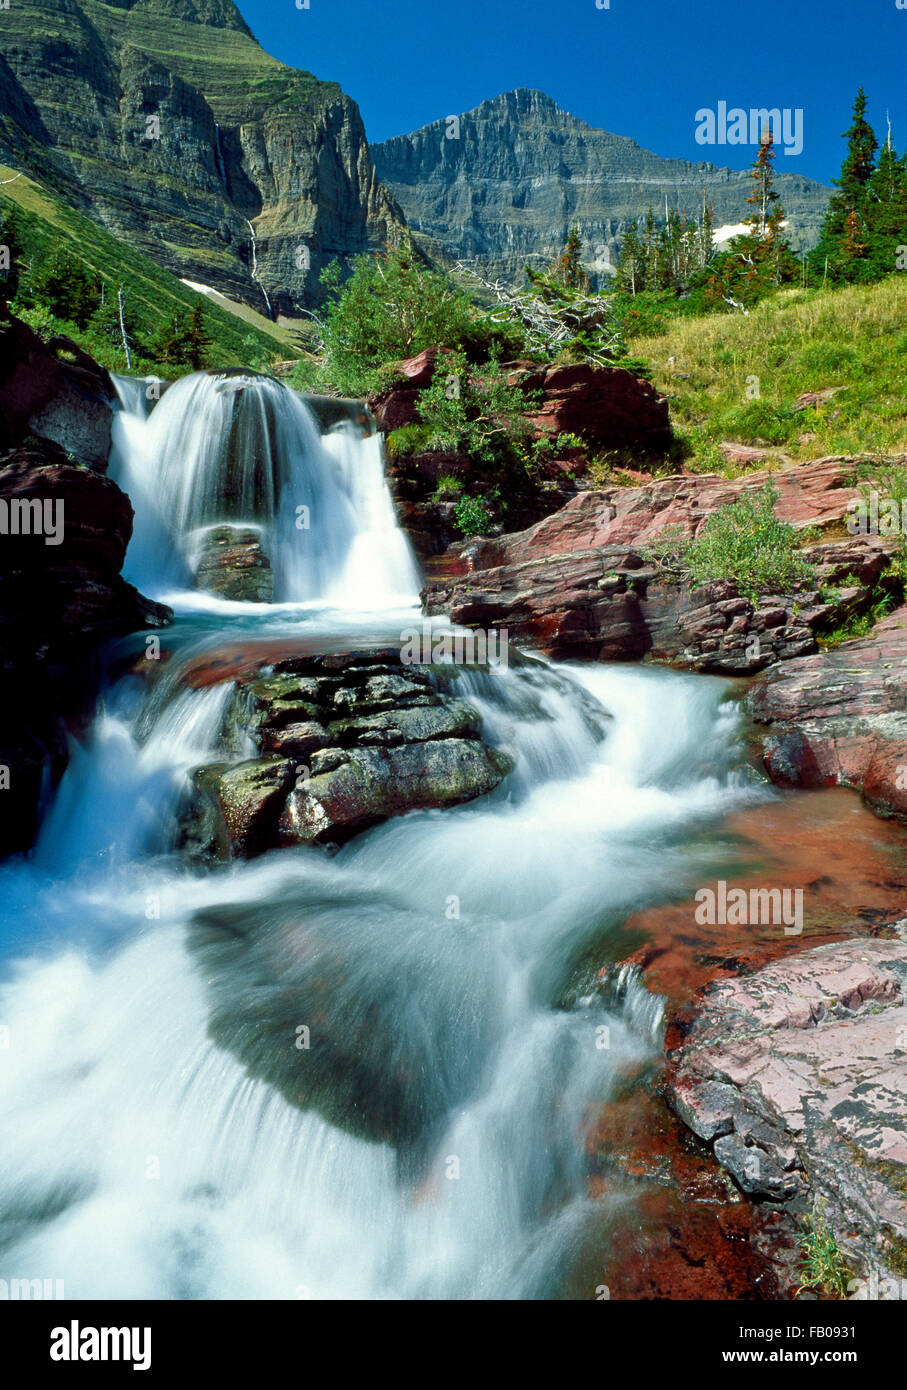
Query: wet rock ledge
[[340, 743], [797, 1076]]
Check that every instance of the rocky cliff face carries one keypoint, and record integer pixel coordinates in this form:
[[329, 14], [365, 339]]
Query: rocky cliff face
[[522, 171], [60, 602], [165, 121]]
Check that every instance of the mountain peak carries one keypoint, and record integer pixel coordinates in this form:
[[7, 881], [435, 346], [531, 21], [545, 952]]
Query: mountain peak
[[218, 14], [523, 102]]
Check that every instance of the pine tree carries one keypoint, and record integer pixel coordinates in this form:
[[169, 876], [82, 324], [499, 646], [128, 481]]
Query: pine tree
[[197, 340], [763, 195], [568, 267], [885, 212], [630, 271], [67, 288], [843, 229], [181, 341]]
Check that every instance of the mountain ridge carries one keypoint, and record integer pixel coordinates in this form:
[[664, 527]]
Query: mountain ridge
[[184, 138], [503, 183]]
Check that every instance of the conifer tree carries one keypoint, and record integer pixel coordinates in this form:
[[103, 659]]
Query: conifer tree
[[67, 288], [844, 230], [568, 268]]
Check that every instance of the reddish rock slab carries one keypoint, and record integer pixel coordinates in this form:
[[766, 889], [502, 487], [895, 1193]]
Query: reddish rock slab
[[809, 494], [580, 583], [849, 866], [607, 407], [59, 603], [686, 1230], [840, 718], [797, 1075]]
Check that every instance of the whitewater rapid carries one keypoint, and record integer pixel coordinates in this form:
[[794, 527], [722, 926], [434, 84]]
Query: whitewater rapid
[[445, 963]]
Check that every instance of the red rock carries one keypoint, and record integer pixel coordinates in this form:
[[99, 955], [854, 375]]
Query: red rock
[[55, 391], [419, 370], [58, 604], [812, 399], [607, 407], [796, 1075], [576, 585], [837, 718], [743, 454]]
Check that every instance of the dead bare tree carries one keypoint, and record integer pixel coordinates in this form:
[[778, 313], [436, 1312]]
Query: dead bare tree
[[123, 330], [550, 324]]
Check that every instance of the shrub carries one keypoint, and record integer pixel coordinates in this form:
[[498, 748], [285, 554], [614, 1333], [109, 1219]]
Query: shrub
[[747, 544], [479, 412], [472, 516], [390, 308], [447, 484], [408, 439], [744, 543], [822, 1264]]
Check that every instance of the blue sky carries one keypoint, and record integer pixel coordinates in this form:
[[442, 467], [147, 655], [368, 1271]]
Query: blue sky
[[640, 67]]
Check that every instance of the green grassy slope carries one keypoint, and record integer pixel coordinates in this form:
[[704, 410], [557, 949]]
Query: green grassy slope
[[795, 342], [152, 293]]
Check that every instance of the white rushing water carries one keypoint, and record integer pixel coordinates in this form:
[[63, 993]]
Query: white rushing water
[[239, 448], [167, 1132]]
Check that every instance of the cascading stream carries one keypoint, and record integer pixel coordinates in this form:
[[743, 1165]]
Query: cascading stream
[[154, 1144], [228, 448]]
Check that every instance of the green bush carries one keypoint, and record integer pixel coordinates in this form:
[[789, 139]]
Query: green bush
[[472, 516], [744, 543], [408, 439], [478, 412], [447, 483], [390, 308], [822, 1265], [747, 544], [759, 420]]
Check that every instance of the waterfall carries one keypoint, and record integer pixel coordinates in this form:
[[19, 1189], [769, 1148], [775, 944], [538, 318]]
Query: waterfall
[[254, 271], [220, 156], [236, 447], [444, 978], [155, 1147]]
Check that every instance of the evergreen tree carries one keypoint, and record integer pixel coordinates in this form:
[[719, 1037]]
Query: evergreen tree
[[181, 341], [758, 261], [763, 196], [105, 321], [629, 278], [197, 340], [844, 230], [568, 267], [67, 288], [886, 212]]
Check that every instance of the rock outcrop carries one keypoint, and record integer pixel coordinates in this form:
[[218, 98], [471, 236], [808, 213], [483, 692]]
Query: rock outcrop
[[344, 742], [839, 718], [55, 391], [504, 185], [581, 583], [601, 407], [61, 598], [234, 566], [797, 1077], [168, 124]]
